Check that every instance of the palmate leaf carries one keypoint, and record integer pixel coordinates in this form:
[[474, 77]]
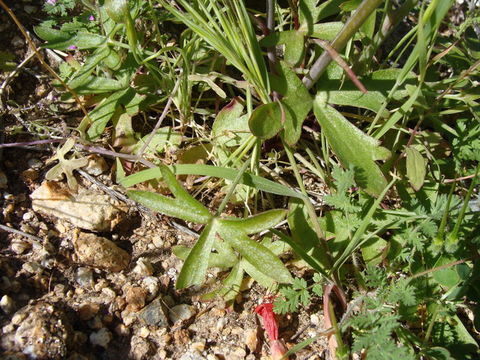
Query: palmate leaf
[[256, 254], [353, 147], [260, 262]]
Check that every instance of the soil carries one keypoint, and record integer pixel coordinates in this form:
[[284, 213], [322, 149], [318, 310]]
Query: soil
[[55, 307]]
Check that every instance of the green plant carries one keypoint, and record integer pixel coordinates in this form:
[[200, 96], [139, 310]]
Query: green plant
[[329, 91]]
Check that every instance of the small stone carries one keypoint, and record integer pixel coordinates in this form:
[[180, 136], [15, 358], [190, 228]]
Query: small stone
[[140, 348], [181, 312], [135, 297], [27, 216], [20, 246], [144, 332], [152, 285], [100, 252], [34, 163], [251, 339], [88, 311], [237, 353], [96, 165], [314, 319], [220, 324], [3, 180], [86, 209], [18, 318], [158, 241], [7, 304], [101, 337], [44, 333], [143, 267], [198, 346], [192, 355], [181, 336], [84, 277], [153, 314], [109, 293], [32, 267]]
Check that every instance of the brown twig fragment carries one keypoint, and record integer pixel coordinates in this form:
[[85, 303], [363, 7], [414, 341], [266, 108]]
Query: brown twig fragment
[[342, 63]]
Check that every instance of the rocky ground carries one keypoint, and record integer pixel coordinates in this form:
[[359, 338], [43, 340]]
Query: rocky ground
[[89, 275]]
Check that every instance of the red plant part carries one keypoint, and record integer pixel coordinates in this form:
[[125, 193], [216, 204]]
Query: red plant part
[[270, 325]]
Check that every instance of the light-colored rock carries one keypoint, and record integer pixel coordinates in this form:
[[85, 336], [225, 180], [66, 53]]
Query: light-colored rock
[[7, 304], [96, 165], [87, 209], [193, 355], [99, 252], [44, 333], [181, 312], [101, 337], [84, 277], [251, 339], [152, 285], [140, 348], [144, 267]]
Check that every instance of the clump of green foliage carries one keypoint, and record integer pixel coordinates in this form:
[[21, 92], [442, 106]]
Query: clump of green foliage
[[258, 100]]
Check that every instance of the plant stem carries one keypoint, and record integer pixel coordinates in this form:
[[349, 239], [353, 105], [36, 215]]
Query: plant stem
[[362, 13]]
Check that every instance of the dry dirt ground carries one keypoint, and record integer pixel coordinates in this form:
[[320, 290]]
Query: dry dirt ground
[[74, 291]]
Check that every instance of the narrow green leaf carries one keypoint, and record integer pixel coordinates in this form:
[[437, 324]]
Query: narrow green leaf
[[256, 254], [256, 223], [248, 179], [195, 267], [416, 168], [353, 147], [171, 207]]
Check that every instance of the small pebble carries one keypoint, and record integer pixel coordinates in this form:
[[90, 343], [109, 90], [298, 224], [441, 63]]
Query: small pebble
[[135, 297], [101, 337], [158, 241], [144, 332], [7, 304], [34, 163], [220, 324], [84, 277], [27, 216], [152, 285], [314, 319], [88, 311], [181, 312], [251, 339], [96, 165], [20, 246], [32, 267], [100, 252], [143, 267], [153, 314]]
